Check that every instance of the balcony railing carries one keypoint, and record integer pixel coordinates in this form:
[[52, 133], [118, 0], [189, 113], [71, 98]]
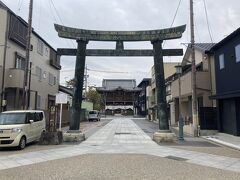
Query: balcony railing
[[202, 79]]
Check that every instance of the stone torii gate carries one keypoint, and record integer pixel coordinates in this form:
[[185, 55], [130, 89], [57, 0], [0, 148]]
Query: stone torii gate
[[156, 37]]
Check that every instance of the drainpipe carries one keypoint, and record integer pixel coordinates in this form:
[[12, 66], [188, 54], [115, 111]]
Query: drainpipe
[[4, 64]]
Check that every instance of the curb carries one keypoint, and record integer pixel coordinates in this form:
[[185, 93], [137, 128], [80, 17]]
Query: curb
[[217, 141]]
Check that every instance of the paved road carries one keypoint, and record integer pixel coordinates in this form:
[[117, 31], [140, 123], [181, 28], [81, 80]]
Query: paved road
[[119, 150], [116, 166]]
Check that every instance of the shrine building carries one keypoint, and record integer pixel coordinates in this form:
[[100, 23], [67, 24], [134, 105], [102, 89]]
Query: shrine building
[[119, 96]]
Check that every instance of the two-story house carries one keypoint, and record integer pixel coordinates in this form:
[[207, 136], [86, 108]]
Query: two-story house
[[205, 107], [227, 70], [44, 65]]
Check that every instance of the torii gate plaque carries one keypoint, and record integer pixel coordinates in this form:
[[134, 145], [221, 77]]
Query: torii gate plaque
[[82, 36]]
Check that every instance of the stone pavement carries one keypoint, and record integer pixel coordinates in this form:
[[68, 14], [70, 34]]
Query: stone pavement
[[225, 139], [121, 136]]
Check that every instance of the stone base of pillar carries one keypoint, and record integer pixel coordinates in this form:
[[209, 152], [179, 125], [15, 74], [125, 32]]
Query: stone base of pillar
[[163, 136], [73, 136], [51, 138], [195, 131]]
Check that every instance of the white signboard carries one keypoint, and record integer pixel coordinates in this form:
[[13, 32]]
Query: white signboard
[[61, 98]]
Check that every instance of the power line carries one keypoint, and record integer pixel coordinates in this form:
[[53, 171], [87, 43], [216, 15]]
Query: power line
[[206, 14], [101, 71], [59, 17], [56, 11], [20, 2], [174, 17], [196, 27], [55, 19]]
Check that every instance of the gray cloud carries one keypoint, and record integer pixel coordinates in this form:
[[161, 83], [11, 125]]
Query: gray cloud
[[127, 15]]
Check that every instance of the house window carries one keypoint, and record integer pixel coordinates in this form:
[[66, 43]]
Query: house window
[[39, 73], [51, 79], [237, 53], [38, 101], [40, 47], [54, 80], [19, 62], [46, 51], [221, 61]]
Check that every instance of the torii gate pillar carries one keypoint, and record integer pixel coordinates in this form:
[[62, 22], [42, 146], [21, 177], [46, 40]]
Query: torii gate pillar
[[78, 80], [163, 134]]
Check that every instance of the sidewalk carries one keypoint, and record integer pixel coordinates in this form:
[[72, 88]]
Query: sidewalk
[[219, 138], [225, 139]]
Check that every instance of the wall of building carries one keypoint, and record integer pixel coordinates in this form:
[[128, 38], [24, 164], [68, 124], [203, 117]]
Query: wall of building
[[225, 78], [42, 61], [169, 69], [3, 22], [198, 57]]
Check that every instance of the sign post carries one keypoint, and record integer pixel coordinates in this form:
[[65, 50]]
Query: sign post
[[61, 99]]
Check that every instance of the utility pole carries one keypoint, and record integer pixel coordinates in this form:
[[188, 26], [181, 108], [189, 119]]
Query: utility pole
[[86, 76], [194, 94], [3, 66], [29, 86], [28, 47]]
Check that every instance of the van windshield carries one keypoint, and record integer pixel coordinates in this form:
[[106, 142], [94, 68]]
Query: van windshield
[[12, 118], [93, 112]]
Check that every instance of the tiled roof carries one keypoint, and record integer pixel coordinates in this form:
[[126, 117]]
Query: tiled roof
[[144, 80], [66, 90], [115, 83], [118, 84], [204, 46]]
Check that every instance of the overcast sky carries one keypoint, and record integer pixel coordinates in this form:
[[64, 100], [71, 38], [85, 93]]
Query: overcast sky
[[224, 18]]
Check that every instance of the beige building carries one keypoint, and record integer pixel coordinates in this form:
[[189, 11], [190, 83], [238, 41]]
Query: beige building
[[169, 69], [205, 88], [45, 65]]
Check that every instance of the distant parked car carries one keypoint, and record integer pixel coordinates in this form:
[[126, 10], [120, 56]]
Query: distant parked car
[[17, 128], [94, 115]]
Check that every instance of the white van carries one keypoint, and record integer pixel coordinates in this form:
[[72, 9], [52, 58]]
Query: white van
[[93, 115], [17, 128]]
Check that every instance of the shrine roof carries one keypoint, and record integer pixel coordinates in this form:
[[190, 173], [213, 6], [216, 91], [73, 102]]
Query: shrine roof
[[102, 89], [118, 85]]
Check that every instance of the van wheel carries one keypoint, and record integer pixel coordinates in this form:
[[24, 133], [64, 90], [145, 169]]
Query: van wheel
[[22, 143]]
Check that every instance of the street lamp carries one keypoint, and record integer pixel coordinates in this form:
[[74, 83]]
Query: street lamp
[[180, 119]]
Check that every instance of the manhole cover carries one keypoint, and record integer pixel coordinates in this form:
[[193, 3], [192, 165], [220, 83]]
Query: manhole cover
[[147, 131], [123, 133], [176, 158]]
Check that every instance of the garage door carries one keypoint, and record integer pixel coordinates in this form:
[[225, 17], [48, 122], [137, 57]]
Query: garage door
[[228, 115]]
